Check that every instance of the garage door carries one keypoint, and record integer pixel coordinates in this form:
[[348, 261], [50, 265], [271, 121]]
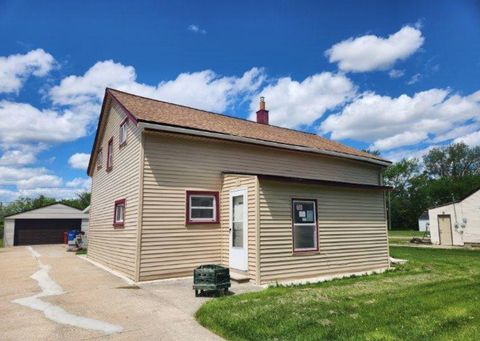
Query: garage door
[[43, 231]]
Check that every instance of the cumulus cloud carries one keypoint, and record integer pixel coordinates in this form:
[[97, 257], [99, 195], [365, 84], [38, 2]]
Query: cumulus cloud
[[21, 122], [472, 139], [196, 29], [15, 69], [40, 181], [388, 122], [370, 52], [206, 89], [12, 175], [82, 183], [17, 157], [79, 160], [295, 104]]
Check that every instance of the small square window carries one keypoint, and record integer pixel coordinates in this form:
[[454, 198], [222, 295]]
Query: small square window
[[202, 207], [110, 154], [123, 132], [119, 213]]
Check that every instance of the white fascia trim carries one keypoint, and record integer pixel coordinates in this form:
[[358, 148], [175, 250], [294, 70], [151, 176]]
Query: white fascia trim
[[160, 127]]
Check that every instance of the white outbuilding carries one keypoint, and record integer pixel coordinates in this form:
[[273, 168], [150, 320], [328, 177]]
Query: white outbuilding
[[457, 223], [45, 225], [423, 222]]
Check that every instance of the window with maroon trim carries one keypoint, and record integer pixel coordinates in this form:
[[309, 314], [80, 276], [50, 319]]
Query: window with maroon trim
[[110, 154], [202, 207], [123, 132], [304, 221], [119, 213], [99, 158]]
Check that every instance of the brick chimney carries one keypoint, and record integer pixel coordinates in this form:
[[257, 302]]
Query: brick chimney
[[262, 114]]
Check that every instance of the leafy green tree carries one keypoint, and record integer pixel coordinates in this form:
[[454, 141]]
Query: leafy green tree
[[456, 160]]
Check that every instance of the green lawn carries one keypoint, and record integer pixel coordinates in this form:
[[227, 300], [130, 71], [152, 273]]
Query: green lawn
[[1, 241], [404, 233], [435, 296]]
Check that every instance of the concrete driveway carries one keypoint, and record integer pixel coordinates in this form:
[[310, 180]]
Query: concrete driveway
[[49, 294]]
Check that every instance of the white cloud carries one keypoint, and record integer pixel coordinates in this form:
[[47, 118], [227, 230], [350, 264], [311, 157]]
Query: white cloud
[[17, 157], [402, 139], [12, 175], [414, 79], [472, 139], [206, 89], [21, 122], [196, 29], [44, 180], [15, 69], [370, 52], [405, 120], [394, 73], [296, 104], [31, 182], [83, 183], [408, 154], [79, 160]]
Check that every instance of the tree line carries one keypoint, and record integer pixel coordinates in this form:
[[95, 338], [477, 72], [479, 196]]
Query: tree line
[[443, 175]]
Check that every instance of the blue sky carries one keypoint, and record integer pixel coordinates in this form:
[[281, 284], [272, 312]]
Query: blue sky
[[401, 77]]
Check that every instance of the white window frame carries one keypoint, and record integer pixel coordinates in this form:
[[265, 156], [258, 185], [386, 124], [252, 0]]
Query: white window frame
[[110, 154], [123, 134], [213, 208], [119, 208], [315, 224]]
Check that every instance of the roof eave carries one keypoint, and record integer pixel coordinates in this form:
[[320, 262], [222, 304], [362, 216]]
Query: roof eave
[[203, 133]]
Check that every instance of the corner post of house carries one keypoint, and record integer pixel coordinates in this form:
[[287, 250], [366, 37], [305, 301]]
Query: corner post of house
[[140, 206], [258, 275]]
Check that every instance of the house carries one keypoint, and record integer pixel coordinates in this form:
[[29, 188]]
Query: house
[[45, 225], [457, 223], [174, 187], [423, 222]]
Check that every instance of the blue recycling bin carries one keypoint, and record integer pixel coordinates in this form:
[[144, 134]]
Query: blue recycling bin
[[72, 234]]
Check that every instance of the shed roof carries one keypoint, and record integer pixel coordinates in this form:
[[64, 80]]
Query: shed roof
[[53, 211], [142, 109]]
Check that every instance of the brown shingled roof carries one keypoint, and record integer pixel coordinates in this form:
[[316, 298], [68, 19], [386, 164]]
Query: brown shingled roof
[[155, 111]]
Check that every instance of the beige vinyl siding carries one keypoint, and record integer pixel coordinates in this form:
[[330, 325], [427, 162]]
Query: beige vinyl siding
[[352, 231], [230, 183], [116, 248], [175, 163]]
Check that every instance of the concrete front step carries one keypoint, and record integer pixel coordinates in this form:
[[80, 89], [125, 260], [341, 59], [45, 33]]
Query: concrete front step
[[239, 277]]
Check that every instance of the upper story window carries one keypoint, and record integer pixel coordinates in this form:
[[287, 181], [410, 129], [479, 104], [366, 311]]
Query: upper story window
[[119, 213], [99, 158], [123, 132], [202, 207], [110, 154], [305, 237]]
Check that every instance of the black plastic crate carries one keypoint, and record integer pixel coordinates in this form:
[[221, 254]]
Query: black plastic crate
[[211, 277]]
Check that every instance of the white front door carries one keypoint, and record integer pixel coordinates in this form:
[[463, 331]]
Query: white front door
[[238, 240]]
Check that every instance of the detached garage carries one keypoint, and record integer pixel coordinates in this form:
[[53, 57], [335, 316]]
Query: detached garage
[[44, 225]]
